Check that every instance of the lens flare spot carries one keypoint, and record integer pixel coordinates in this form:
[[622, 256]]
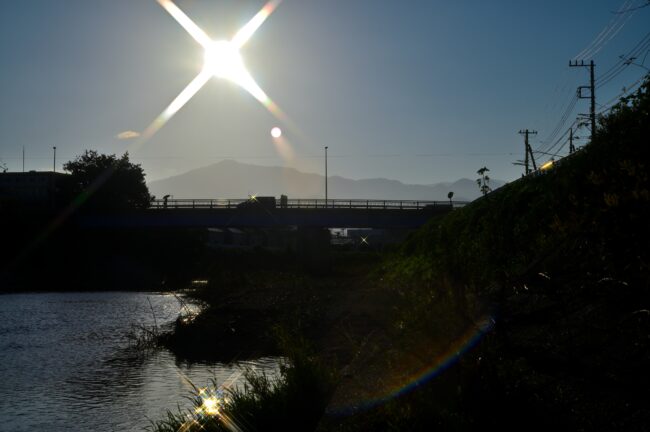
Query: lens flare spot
[[276, 132]]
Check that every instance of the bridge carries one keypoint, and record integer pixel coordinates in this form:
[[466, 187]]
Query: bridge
[[267, 212]]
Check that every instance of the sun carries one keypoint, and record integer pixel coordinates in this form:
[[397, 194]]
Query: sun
[[222, 59]]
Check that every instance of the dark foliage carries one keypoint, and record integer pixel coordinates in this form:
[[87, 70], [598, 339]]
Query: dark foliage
[[295, 401], [69, 256], [106, 182], [560, 260]]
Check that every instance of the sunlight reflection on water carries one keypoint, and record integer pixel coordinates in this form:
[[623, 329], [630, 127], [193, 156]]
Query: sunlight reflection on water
[[64, 363]]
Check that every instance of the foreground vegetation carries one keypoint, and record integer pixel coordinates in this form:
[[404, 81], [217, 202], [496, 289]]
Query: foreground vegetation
[[558, 262], [549, 277], [295, 400]]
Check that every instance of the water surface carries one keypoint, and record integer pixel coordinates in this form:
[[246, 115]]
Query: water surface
[[65, 362]]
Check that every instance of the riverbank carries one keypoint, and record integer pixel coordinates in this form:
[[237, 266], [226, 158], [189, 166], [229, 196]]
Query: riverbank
[[557, 264], [527, 309], [249, 295]]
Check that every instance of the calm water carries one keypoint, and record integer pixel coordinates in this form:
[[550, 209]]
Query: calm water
[[65, 363]]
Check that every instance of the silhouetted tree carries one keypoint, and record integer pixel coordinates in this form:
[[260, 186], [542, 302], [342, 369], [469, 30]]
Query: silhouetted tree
[[484, 181], [106, 182]]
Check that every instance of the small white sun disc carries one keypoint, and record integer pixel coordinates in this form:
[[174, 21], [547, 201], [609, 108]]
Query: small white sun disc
[[276, 132]]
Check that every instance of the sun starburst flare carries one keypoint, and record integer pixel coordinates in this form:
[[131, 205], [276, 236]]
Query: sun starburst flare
[[221, 59]]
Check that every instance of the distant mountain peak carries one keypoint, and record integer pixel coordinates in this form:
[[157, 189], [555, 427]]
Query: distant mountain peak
[[229, 178]]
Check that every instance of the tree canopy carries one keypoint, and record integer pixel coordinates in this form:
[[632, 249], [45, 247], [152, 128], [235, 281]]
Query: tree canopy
[[107, 182]]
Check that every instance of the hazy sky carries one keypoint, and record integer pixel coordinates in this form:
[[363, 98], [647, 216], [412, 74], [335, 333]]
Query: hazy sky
[[418, 91]]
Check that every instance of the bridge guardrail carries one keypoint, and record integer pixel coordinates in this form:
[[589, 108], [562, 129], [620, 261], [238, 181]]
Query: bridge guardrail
[[209, 203]]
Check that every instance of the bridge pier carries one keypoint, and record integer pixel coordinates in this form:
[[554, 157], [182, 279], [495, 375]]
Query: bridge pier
[[313, 248]]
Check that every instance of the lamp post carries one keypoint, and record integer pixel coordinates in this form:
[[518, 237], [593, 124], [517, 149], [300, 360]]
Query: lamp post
[[325, 176], [54, 163]]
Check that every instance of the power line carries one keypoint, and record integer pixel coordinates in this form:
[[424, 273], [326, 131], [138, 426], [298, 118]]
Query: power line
[[610, 31], [607, 76], [647, 3], [563, 119], [552, 141], [631, 88], [624, 61], [550, 148]]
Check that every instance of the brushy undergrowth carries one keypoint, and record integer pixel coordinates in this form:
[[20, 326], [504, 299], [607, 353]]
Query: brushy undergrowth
[[294, 400], [560, 261], [587, 214]]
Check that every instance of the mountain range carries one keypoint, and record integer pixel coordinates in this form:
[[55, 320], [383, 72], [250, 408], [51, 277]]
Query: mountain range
[[231, 179]]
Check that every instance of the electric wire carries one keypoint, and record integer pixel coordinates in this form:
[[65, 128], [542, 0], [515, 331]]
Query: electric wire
[[628, 90], [624, 62], [563, 119], [551, 141], [608, 33]]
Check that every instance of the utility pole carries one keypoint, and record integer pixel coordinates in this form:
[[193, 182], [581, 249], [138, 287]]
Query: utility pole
[[325, 176], [571, 146], [54, 164], [528, 150], [23, 158], [592, 91]]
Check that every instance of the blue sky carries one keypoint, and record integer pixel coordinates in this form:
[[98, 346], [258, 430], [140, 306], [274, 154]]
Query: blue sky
[[418, 91]]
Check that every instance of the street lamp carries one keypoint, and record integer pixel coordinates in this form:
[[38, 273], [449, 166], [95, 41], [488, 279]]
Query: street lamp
[[326, 176], [54, 163]]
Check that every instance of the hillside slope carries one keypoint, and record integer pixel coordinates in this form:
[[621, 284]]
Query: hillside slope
[[558, 263]]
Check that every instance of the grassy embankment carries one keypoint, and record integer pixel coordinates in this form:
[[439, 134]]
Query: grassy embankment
[[259, 303], [550, 274], [560, 262], [248, 294]]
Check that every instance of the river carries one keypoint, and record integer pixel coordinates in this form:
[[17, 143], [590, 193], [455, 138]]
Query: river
[[65, 362]]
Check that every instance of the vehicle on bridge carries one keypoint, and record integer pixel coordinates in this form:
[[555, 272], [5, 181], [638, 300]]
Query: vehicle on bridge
[[258, 203]]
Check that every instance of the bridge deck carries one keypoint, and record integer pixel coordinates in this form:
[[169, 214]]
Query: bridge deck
[[209, 203], [197, 213]]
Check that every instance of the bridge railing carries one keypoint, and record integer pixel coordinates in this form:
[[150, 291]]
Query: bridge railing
[[363, 204], [209, 203], [201, 203]]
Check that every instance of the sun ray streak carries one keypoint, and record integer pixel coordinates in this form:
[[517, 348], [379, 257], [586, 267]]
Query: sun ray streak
[[247, 82], [222, 60], [180, 100], [194, 30], [245, 33]]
